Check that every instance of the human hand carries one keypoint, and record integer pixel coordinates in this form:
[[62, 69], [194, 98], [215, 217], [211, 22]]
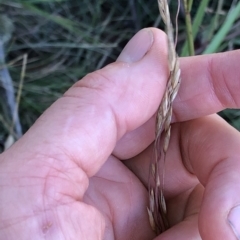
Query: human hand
[[64, 179]]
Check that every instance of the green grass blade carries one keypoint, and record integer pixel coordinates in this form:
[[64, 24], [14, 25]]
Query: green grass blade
[[221, 34], [63, 22], [215, 20], [190, 3], [45, 1], [189, 31], [196, 24], [64, 45]]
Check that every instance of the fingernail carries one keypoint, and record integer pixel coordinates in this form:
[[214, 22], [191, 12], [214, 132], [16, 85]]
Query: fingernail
[[137, 47], [234, 220]]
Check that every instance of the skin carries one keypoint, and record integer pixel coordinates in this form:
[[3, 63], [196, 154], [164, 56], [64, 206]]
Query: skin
[[64, 179]]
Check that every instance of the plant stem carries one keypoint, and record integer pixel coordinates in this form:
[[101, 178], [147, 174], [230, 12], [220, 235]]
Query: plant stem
[[187, 7], [196, 24], [190, 2]]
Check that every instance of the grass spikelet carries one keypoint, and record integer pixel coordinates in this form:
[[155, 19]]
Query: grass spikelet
[[158, 211]]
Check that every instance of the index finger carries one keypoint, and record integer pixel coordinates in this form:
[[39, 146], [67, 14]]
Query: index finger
[[210, 83]]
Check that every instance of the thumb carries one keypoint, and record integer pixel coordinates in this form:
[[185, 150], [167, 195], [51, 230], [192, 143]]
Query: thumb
[[50, 165], [84, 125]]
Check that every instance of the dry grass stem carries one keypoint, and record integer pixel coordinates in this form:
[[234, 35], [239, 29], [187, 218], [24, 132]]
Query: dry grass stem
[[157, 208]]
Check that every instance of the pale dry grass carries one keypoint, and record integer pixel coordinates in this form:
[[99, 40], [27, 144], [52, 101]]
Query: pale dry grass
[[157, 208]]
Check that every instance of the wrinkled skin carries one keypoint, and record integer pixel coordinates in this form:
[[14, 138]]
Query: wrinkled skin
[[64, 179]]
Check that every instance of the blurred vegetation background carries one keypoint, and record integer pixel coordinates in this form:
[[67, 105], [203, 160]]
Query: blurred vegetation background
[[49, 44]]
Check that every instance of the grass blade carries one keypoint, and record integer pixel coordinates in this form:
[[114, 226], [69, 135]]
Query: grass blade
[[189, 31], [67, 24], [196, 24], [221, 34]]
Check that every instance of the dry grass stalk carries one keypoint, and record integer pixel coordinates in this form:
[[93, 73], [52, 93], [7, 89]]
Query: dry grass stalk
[[157, 208]]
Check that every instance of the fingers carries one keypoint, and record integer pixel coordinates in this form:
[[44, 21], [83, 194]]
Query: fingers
[[183, 215], [211, 151], [177, 178], [210, 83], [122, 200], [136, 141], [206, 142], [187, 229], [86, 123]]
